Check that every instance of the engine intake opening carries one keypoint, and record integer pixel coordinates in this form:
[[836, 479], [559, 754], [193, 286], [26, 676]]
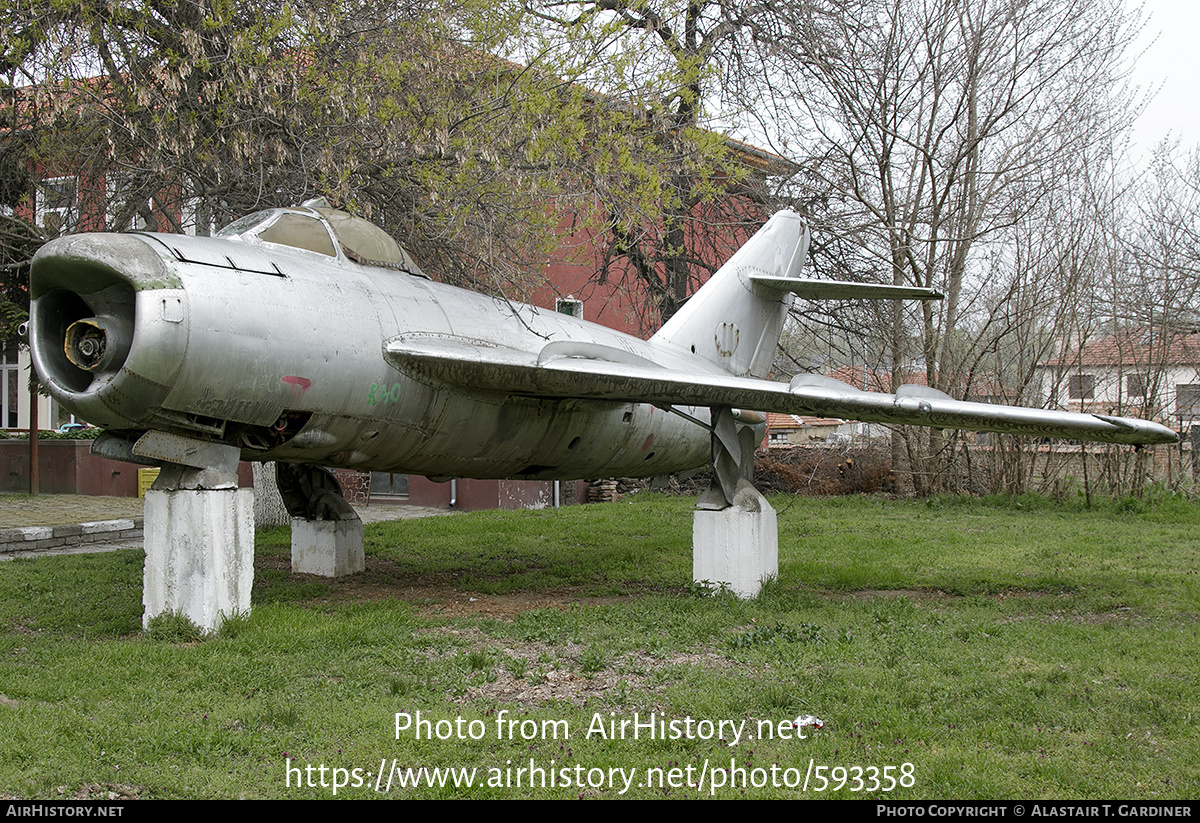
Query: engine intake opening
[[54, 313]]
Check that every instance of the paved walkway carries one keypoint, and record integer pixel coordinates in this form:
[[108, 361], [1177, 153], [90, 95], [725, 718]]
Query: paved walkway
[[73, 523], [17, 510]]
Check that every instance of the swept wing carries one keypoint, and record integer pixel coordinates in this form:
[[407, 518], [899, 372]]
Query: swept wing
[[591, 371]]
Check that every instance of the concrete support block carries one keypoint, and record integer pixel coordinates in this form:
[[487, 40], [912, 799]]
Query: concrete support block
[[199, 554], [737, 546], [329, 548]]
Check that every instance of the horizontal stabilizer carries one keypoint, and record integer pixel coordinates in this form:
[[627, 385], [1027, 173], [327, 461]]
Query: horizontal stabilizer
[[616, 375], [811, 289]]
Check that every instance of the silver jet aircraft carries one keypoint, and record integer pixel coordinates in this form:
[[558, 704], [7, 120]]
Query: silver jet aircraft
[[307, 336]]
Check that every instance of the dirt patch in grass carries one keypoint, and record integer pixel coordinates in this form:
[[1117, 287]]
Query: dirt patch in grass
[[435, 596], [106, 791], [434, 599], [438, 595], [91, 791], [534, 673]]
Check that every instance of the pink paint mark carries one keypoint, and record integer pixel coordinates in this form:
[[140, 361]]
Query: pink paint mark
[[649, 440], [300, 384]]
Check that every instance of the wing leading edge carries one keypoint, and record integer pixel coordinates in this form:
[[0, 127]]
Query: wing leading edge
[[595, 372]]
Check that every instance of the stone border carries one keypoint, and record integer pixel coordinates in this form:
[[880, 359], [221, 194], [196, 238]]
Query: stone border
[[40, 538]]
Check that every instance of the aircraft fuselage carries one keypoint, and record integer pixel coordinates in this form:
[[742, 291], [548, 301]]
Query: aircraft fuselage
[[278, 350]]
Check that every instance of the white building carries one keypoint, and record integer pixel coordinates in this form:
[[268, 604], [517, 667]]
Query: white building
[[1136, 373], [14, 394]]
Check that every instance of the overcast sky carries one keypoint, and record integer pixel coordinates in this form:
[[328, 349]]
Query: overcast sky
[[1170, 57]]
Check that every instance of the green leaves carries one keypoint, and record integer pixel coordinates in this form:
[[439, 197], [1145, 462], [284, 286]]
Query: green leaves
[[654, 178], [398, 110]]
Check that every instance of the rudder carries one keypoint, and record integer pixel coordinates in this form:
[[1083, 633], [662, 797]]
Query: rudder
[[733, 322]]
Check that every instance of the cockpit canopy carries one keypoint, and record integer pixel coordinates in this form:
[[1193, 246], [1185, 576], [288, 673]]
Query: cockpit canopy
[[317, 227]]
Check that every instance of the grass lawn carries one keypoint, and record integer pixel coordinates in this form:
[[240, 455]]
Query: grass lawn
[[954, 649]]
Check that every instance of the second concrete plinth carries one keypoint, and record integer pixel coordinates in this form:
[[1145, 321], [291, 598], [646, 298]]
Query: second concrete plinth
[[737, 547], [329, 548]]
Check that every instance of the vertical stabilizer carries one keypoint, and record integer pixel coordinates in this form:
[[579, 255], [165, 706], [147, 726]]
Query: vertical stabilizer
[[731, 321]]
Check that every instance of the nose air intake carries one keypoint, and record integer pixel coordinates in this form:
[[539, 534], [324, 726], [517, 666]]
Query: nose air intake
[[83, 307], [77, 338], [84, 321]]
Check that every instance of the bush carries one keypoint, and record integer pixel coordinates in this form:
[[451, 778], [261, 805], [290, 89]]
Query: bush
[[821, 471], [90, 433]]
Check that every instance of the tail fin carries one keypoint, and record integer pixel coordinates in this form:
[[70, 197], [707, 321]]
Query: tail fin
[[732, 321]]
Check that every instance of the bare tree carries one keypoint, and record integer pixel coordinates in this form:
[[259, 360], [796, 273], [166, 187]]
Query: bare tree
[[1163, 245], [947, 129]]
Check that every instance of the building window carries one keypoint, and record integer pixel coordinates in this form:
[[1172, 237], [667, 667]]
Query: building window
[[1081, 386], [1187, 401], [1135, 385], [387, 484], [57, 205], [569, 305], [10, 373], [199, 218], [124, 210], [202, 215]]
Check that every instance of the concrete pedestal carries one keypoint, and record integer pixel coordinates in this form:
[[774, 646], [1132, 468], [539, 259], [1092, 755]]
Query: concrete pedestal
[[737, 546], [199, 554], [330, 548]]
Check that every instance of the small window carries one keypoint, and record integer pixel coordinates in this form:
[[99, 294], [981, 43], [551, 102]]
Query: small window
[[197, 218], [570, 306], [57, 199], [1187, 401], [364, 242], [202, 216], [124, 208], [10, 376], [387, 484], [1081, 386], [1135, 385]]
